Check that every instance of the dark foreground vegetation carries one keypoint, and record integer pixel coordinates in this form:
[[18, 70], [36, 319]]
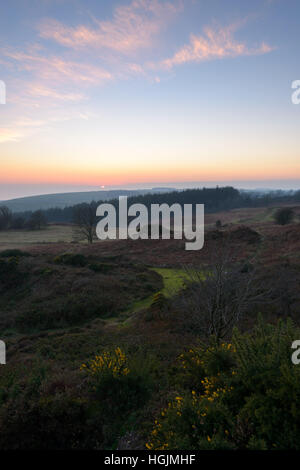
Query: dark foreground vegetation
[[101, 355]]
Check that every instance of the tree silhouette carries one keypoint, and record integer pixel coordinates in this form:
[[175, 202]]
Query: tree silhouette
[[284, 216]]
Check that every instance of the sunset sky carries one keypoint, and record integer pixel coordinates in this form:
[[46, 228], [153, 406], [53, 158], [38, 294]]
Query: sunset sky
[[143, 92]]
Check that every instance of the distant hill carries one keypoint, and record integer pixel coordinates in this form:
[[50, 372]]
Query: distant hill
[[61, 200]]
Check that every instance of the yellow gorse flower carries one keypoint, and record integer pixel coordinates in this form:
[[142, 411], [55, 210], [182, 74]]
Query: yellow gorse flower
[[108, 362], [211, 389]]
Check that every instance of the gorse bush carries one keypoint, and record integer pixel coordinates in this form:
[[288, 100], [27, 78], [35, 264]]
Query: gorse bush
[[193, 421], [117, 381], [197, 363], [239, 395], [268, 387], [198, 414], [119, 387], [113, 364]]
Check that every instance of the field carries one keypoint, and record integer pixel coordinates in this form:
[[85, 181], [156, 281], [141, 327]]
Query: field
[[261, 218], [23, 238], [63, 303]]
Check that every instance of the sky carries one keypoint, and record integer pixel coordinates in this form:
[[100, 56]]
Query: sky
[[143, 93]]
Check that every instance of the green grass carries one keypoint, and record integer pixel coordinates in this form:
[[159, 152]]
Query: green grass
[[173, 280], [254, 216]]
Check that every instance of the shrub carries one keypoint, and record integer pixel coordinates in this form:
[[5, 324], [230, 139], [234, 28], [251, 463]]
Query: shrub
[[71, 259], [108, 364], [101, 267], [42, 409], [241, 396], [14, 253], [284, 216], [204, 361], [159, 301], [268, 385], [198, 417], [48, 422], [191, 419], [10, 276], [119, 387], [73, 310]]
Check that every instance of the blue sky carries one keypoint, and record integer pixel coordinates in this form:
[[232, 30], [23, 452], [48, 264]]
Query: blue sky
[[126, 93]]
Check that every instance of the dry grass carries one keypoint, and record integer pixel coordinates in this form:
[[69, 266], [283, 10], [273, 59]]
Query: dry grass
[[56, 239], [254, 217], [22, 238]]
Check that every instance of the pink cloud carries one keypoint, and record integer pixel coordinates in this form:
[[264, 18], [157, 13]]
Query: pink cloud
[[58, 69], [132, 27], [214, 44], [41, 91]]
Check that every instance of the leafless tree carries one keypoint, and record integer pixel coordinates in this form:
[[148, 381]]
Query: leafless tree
[[217, 298], [37, 220], [85, 219], [5, 217]]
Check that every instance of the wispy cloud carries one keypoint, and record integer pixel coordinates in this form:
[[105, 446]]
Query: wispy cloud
[[41, 91], [53, 82], [58, 69], [214, 44], [131, 28], [64, 77]]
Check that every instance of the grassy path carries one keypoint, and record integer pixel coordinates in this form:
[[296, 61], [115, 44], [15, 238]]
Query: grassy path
[[173, 279]]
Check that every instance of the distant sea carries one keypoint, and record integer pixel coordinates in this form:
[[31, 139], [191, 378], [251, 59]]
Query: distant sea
[[11, 190]]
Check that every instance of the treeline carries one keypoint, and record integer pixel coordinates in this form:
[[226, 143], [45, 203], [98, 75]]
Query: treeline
[[30, 221], [215, 199]]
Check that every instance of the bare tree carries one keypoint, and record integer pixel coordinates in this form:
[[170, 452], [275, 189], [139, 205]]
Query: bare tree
[[5, 217], [18, 223], [85, 219], [216, 299], [37, 220]]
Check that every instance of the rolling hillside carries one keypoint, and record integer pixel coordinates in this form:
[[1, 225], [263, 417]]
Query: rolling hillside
[[62, 200]]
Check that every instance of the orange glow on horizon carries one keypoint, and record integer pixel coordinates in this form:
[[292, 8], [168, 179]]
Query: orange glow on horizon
[[123, 176]]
